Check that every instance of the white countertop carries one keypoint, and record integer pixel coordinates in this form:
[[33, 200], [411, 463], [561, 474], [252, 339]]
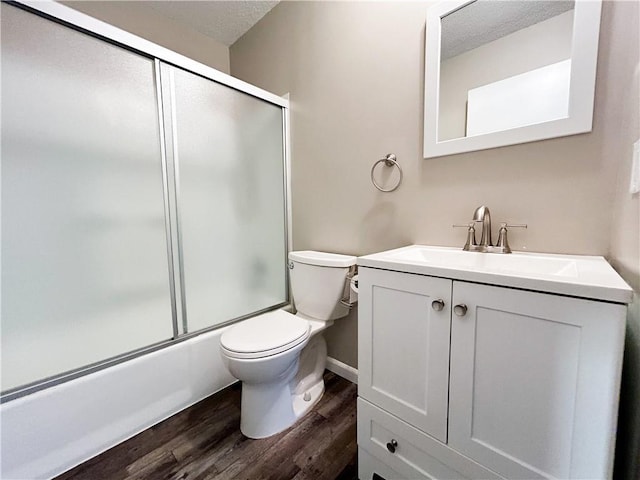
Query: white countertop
[[575, 275]]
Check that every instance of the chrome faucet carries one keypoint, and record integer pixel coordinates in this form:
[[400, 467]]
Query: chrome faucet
[[483, 215]]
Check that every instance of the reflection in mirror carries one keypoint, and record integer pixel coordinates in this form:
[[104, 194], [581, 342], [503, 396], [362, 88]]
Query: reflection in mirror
[[504, 65]]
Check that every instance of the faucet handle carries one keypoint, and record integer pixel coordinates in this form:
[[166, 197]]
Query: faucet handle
[[511, 225], [471, 235], [503, 242]]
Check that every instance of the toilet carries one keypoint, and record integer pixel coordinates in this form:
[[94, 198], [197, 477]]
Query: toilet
[[280, 357]]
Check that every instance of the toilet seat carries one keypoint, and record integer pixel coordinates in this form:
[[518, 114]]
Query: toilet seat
[[265, 335]]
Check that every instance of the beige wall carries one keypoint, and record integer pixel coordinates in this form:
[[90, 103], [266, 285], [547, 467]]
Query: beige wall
[[355, 74], [533, 47], [621, 129], [140, 19]]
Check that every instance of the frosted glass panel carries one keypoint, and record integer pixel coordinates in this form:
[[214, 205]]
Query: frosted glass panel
[[84, 254], [230, 157]]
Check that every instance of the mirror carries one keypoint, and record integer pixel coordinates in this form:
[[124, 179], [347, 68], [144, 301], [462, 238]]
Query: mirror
[[500, 73]]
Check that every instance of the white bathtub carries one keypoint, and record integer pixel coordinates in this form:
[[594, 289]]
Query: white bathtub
[[53, 430]]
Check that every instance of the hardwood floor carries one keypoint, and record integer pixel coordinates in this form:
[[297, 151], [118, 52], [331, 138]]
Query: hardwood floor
[[204, 442]]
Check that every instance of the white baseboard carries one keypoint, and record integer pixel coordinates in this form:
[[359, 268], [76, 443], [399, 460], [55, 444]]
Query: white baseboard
[[342, 369]]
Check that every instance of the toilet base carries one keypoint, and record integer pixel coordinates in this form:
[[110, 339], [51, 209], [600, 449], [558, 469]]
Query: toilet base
[[267, 411], [266, 407], [304, 402], [270, 408], [307, 387]]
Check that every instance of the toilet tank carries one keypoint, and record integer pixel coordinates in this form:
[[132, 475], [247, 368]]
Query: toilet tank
[[317, 283]]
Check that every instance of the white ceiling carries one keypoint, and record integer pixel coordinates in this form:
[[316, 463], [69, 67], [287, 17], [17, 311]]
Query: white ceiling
[[487, 20], [224, 21]]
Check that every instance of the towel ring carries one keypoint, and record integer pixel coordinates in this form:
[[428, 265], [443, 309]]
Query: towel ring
[[389, 161]]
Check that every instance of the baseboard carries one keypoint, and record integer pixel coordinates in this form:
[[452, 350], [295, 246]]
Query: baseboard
[[342, 369]]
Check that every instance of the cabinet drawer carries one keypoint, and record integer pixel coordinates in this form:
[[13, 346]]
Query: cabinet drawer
[[417, 455]]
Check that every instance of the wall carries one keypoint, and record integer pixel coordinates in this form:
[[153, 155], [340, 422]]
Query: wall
[[533, 47], [355, 73], [142, 20], [621, 129], [357, 94]]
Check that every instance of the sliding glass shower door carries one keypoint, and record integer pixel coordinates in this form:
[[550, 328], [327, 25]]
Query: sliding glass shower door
[[84, 252], [140, 202], [228, 154]]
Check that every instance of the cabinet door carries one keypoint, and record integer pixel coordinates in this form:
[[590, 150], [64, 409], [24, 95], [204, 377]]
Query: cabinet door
[[534, 382], [403, 358]]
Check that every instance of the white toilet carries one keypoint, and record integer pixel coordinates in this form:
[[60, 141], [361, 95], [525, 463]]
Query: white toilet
[[280, 357]]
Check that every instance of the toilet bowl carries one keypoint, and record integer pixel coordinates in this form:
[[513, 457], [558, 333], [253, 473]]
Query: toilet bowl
[[280, 357]]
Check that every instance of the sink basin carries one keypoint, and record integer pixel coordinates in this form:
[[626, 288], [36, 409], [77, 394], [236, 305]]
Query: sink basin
[[521, 263], [575, 275]]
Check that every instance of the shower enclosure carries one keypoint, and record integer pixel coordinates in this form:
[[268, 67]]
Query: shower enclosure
[[144, 199]]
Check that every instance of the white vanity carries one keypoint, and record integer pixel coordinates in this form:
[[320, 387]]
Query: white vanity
[[476, 365]]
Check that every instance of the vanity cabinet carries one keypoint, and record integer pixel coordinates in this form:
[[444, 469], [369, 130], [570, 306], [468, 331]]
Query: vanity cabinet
[[467, 380]]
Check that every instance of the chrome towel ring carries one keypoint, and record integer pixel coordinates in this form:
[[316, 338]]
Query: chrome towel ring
[[389, 161]]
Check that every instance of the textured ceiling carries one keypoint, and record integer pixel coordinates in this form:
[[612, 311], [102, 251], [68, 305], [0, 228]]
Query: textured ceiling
[[224, 21], [487, 20]]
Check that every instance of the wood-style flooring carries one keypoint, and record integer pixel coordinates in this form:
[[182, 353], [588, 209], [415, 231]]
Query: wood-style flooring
[[204, 442]]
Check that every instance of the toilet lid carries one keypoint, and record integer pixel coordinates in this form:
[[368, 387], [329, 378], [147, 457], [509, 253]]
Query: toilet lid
[[323, 259], [266, 334]]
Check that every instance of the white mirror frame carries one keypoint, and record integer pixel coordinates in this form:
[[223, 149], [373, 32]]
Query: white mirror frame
[[584, 56]]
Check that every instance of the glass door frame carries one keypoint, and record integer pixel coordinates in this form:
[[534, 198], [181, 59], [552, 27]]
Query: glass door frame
[[71, 18]]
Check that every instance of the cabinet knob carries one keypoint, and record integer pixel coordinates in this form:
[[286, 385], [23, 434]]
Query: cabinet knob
[[392, 445], [460, 310], [437, 305]]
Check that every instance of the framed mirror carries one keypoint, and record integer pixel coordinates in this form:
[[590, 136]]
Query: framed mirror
[[501, 73]]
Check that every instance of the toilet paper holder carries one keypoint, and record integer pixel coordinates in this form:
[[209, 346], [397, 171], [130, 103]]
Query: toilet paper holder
[[348, 298]]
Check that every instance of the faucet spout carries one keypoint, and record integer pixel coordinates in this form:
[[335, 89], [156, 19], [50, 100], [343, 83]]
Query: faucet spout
[[483, 215]]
